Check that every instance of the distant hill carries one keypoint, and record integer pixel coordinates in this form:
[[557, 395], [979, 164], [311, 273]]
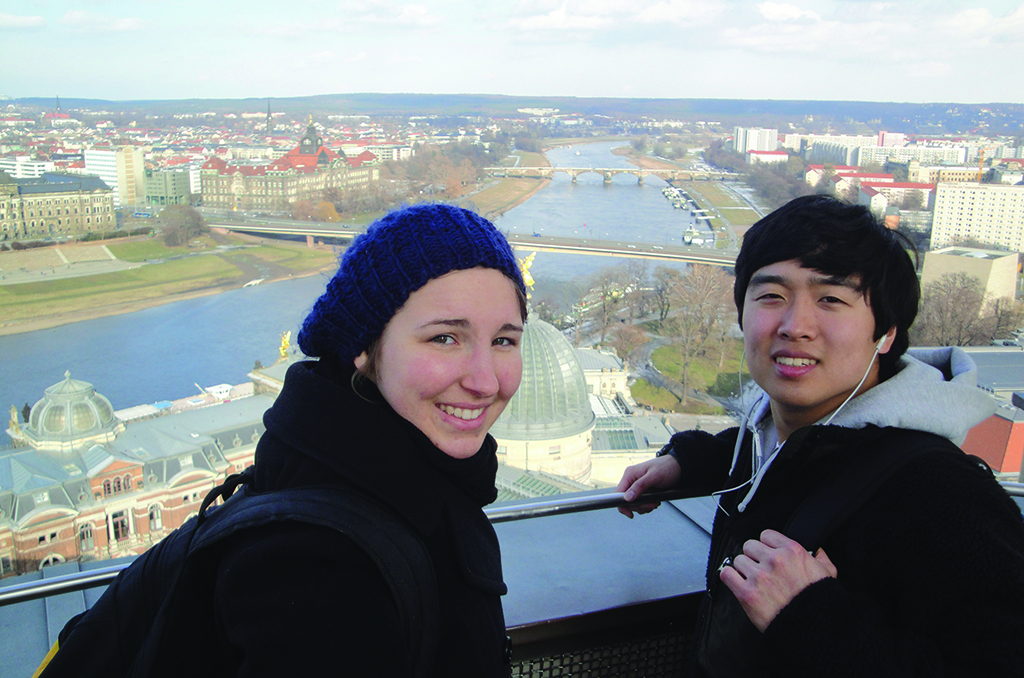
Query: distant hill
[[1001, 118]]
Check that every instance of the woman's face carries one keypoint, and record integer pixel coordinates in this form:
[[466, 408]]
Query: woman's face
[[449, 360]]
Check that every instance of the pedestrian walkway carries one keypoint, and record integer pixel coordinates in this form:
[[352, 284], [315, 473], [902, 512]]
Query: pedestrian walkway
[[50, 263]]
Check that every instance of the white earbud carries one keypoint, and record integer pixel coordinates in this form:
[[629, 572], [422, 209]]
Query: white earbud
[[881, 342]]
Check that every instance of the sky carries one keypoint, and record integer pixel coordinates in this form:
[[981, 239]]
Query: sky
[[907, 51]]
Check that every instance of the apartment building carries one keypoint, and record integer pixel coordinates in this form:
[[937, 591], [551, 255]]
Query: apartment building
[[167, 187], [25, 167], [933, 155], [988, 213], [934, 174], [755, 139], [122, 169]]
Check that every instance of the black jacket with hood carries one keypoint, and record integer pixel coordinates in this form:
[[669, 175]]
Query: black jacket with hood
[[930, 569], [304, 600]]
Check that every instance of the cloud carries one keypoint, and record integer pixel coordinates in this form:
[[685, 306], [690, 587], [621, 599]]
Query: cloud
[[981, 25], [594, 15], [777, 11], [563, 17], [416, 15], [384, 13], [680, 12], [12, 21], [88, 21]]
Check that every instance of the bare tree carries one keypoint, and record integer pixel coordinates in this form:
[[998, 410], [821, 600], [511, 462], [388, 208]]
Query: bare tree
[[635, 277], [627, 338], [951, 313], [1005, 315], [607, 286], [703, 299], [181, 223], [665, 280]]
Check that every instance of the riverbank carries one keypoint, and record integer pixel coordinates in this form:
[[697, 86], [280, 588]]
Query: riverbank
[[65, 297], [644, 161], [509, 193]]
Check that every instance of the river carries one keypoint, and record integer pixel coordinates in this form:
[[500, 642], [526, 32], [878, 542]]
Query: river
[[161, 353]]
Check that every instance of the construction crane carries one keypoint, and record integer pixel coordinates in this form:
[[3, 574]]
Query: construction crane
[[981, 160]]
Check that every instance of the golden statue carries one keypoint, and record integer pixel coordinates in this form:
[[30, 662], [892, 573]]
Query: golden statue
[[286, 341], [15, 428], [524, 268]]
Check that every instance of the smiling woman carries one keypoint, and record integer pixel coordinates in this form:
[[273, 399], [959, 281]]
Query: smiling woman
[[418, 344]]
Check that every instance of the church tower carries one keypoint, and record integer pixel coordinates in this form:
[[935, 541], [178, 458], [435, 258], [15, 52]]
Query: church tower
[[312, 142]]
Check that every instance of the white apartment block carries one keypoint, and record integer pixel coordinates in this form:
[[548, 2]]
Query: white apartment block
[[755, 139], [767, 157], [989, 213], [950, 155], [892, 138], [1003, 175], [386, 152], [122, 169], [25, 167], [797, 142], [833, 153]]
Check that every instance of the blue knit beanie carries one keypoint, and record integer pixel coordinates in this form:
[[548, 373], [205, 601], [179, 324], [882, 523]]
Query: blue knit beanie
[[399, 253]]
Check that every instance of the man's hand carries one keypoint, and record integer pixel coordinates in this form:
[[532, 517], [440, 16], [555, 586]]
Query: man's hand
[[769, 574], [660, 473]]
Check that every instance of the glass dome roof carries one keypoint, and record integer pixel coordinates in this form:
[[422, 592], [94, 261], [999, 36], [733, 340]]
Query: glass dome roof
[[552, 400], [70, 409]]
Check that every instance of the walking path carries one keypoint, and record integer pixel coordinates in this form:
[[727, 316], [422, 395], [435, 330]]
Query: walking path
[[67, 261]]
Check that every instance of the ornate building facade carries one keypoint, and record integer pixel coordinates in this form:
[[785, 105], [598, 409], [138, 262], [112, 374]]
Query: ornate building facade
[[80, 484], [55, 204], [304, 173]]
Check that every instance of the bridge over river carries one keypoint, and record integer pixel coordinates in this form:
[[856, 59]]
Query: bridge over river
[[678, 174], [523, 243]]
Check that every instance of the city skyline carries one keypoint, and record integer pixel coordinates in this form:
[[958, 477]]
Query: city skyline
[[811, 49]]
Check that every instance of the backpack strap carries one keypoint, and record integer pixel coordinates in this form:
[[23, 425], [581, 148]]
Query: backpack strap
[[399, 553], [849, 487]]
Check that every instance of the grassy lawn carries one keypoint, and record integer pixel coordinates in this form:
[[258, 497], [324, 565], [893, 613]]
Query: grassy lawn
[[143, 250], [740, 217], [39, 299], [660, 399], [646, 393], [531, 159], [703, 372], [298, 260]]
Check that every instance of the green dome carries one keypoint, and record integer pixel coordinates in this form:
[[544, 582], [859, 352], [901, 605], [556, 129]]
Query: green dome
[[552, 401]]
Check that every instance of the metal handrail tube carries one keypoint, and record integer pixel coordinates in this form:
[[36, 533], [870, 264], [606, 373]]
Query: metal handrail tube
[[78, 581], [533, 508], [1013, 489], [66, 583]]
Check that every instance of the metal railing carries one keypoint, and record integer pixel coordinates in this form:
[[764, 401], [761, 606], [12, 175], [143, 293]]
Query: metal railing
[[533, 508]]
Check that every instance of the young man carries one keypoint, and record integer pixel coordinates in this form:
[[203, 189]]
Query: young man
[[926, 577]]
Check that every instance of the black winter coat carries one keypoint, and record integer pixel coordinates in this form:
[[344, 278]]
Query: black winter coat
[[304, 600], [296, 599], [930, 569]]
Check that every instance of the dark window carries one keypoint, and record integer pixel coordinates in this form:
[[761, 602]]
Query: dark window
[[120, 523]]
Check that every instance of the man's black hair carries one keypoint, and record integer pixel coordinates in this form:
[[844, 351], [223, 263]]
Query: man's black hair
[[840, 239]]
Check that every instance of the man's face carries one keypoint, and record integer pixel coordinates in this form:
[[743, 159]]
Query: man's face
[[809, 340]]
